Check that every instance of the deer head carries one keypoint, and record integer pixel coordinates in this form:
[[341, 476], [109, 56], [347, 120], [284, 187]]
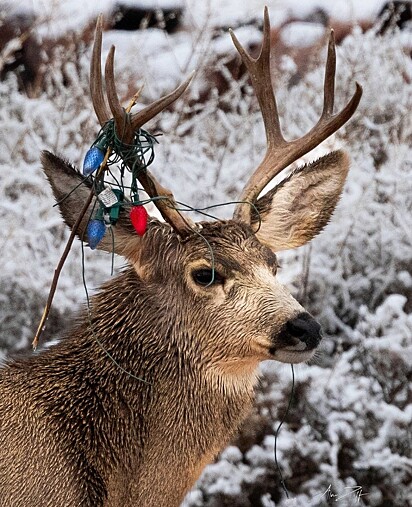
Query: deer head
[[219, 278]]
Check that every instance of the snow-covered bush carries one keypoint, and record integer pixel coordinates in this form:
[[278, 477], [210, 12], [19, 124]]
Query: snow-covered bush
[[350, 420], [348, 435], [348, 430]]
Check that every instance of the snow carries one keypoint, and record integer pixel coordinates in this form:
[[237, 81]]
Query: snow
[[245, 34], [61, 16], [301, 34], [77, 13], [344, 10], [157, 4]]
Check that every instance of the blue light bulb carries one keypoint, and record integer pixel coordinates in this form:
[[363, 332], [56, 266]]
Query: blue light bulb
[[95, 232], [94, 157]]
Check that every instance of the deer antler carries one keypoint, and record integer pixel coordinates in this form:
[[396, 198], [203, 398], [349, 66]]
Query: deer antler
[[127, 124], [281, 153]]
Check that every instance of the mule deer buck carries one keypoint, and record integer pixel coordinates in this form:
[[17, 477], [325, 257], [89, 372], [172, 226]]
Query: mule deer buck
[[75, 429]]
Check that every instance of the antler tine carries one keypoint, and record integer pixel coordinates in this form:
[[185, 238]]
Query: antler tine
[[96, 85], [280, 153], [123, 127], [259, 71], [329, 82], [329, 123], [126, 126], [150, 111]]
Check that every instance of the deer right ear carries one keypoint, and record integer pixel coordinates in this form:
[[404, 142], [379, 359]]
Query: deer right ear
[[297, 209], [71, 191]]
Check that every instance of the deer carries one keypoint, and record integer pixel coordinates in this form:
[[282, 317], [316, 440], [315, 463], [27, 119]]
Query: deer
[[185, 332]]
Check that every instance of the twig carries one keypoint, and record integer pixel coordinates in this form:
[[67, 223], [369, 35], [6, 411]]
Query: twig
[[58, 269], [67, 249]]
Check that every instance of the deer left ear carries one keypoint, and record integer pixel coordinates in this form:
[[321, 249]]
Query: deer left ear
[[295, 211], [71, 191]]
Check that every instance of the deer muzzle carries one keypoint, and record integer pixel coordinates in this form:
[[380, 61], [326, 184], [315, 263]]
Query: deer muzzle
[[298, 339], [305, 328]]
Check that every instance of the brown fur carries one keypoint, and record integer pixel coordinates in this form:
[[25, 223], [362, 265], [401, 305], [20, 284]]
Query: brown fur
[[76, 430]]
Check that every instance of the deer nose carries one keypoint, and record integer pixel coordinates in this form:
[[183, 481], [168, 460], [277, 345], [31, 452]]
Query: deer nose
[[305, 328]]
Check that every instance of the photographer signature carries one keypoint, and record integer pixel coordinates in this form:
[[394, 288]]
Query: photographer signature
[[352, 490]]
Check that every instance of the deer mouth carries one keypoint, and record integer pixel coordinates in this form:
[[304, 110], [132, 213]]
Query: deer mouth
[[292, 356]]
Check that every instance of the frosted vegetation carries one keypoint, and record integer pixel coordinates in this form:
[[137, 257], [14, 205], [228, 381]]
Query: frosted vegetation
[[350, 420]]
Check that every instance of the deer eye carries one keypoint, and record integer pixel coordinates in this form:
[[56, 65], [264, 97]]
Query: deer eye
[[207, 276]]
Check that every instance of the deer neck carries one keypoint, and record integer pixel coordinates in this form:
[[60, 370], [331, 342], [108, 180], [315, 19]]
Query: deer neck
[[131, 391], [140, 363]]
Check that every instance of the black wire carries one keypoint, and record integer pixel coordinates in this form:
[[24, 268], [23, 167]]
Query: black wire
[[90, 322], [119, 184], [282, 481], [71, 191]]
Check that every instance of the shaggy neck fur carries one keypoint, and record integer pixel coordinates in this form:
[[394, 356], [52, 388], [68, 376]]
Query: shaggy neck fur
[[129, 441]]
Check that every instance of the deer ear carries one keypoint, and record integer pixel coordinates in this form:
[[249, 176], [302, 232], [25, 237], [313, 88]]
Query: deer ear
[[300, 206], [71, 191]]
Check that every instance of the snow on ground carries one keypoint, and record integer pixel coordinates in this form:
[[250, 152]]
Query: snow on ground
[[302, 34], [167, 59], [66, 15]]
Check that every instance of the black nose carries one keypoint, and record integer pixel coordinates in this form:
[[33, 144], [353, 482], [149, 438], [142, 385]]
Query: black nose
[[306, 329]]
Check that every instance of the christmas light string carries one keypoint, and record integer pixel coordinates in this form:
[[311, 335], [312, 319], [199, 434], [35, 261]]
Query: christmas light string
[[95, 337], [69, 244], [292, 393], [133, 157]]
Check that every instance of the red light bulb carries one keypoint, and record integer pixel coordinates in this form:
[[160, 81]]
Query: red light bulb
[[138, 217]]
